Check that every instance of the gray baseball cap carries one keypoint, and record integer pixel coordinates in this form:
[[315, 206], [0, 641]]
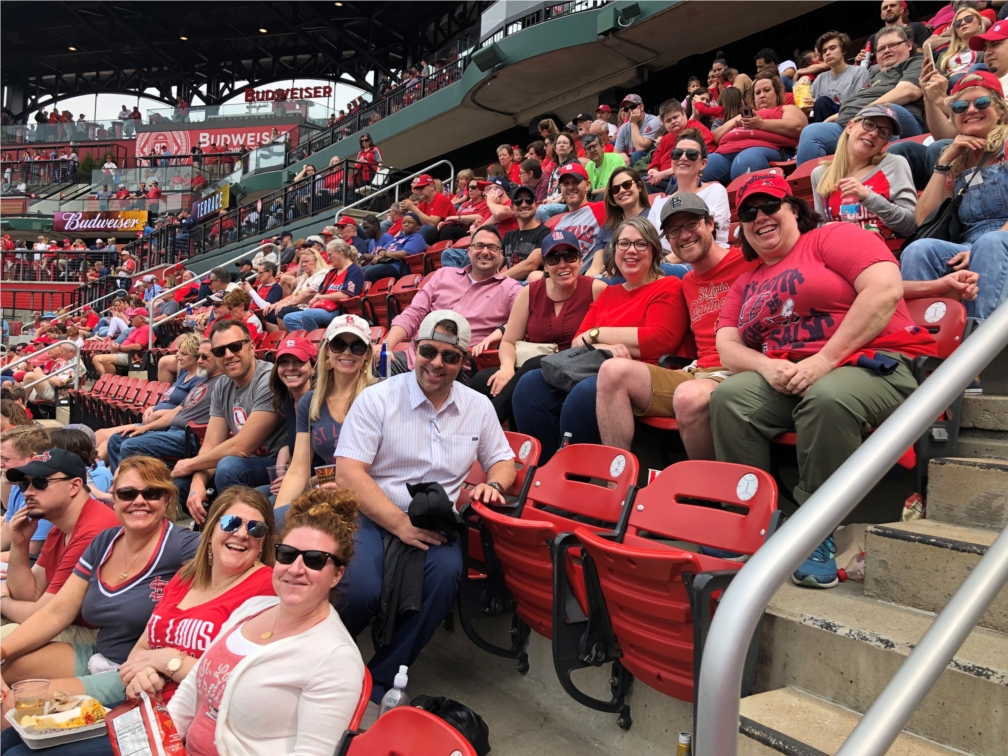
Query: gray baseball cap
[[683, 203], [426, 330], [881, 110]]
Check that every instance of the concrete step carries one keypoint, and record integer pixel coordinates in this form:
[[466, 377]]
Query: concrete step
[[983, 443], [985, 413], [969, 492], [772, 721], [922, 563], [839, 645]]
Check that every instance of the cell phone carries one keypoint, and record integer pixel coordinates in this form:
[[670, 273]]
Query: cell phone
[[747, 111], [930, 54]]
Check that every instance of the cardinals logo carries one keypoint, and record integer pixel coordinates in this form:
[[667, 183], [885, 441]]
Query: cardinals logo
[[785, 317], [240, 417], [41, 457]]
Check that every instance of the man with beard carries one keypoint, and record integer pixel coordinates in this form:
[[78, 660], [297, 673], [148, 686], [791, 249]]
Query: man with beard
[[54, 485], [164, 436], [630, 388]]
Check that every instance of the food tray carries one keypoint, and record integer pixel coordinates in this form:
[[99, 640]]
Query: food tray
[[38, 740]]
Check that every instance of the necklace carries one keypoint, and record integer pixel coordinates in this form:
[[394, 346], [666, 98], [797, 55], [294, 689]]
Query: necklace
[[127, 567], [269, 633]]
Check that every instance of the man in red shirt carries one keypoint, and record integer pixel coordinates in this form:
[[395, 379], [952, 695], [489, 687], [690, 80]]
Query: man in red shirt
[[433, 208], [137, 341], [54, 486], [675, 122], [153, 197], [629, 388]]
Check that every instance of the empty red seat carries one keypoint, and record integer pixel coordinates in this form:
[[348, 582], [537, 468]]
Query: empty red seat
[[406, 731], [402, 293]]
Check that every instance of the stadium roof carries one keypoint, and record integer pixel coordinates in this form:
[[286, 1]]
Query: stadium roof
[[62, 49]]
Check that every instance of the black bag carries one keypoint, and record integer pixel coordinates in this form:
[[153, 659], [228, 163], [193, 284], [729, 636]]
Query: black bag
[[943, 223], [459, 716], [565, 370]]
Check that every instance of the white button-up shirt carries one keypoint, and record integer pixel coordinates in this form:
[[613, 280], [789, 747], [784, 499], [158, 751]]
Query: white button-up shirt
[[393, 427]]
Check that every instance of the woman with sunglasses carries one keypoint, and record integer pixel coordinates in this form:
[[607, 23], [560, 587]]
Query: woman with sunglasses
[[547, 311], [973, 165], [958, 57], [625, 197], [689, 158], [863, 185], [114, 587], [369, 161], [313, 270], [827, 354], [473, 211], [342, 373], [295, 674], [291, 379], [566, 151], [643, 318], [750, 140]]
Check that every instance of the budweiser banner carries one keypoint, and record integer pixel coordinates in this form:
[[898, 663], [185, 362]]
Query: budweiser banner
[[105, 221], [181, 141], [290, 93]]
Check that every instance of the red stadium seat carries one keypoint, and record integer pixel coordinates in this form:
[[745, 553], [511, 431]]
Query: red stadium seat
[[735, 185], [377, 334], [316, 336], [402, 293], [406, 731], [374, 306], [267, 348], [801, 179], [353, 305], [650, 598], [487, 359], [365, 696], [945, 319]]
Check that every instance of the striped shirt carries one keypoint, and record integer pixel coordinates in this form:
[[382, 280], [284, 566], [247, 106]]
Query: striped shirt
[[393, 427]]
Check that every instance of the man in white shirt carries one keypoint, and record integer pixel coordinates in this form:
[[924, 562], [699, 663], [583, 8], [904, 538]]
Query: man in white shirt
[[418, 427]]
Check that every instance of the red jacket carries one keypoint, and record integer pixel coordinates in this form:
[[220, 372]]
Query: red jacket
[[662, 159]]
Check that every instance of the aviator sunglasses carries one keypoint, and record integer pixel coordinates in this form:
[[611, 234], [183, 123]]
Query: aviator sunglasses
[[233, 523]]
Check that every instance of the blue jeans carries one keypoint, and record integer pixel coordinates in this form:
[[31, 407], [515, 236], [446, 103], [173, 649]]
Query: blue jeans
[[925, 260], [359, 594], [161, 444], [727, 168], [309, 320], [547, 413], [823, 108], [455, 258], [379, 271], [547, 211], [123, 335], [820, 139], [921, 159], [12, 745], [232, 471]]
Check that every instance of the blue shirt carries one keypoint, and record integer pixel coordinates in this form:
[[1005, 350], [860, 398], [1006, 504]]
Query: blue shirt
[[101, 476], [152, 292], [381, 242], [177, 392], [15, 501], [324, 431]]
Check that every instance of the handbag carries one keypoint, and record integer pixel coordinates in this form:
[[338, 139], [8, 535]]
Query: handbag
[[943, 223], [526, 350], [565, 370]]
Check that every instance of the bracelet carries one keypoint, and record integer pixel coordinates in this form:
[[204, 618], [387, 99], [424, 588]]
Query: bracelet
[[943, 168]]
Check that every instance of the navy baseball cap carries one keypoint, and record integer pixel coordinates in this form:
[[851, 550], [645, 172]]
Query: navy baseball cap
[[558, 240], [50, 462]]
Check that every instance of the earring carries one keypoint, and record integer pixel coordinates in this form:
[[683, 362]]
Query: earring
[[209, 553]]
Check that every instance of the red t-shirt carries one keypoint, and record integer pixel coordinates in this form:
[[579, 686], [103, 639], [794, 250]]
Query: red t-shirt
[[876, 182], [397, 226], [139, 335], [92, 320], [662, 159], [59, 555], [206, 333], [791, 309], [657, 310], [440, 206], [154, 193], [474, 208], [514, 173], [705, 294], [511, 224], [192, 630]]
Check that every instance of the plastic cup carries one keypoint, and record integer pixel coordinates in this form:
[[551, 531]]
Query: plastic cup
[[29, 698], [326, 474], [276, 471]]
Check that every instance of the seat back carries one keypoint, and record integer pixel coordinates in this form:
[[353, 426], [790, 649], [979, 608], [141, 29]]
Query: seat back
[[377, 334], [735, 185], [407, 731], [587, 480], [316, 336], [945, 319], [362, 702]]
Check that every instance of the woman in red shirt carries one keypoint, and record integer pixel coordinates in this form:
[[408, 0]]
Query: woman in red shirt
[[369, 160], [642, 319]]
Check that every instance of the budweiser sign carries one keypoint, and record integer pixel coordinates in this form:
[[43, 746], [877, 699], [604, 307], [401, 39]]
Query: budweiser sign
[[281, 95], [112, 220]]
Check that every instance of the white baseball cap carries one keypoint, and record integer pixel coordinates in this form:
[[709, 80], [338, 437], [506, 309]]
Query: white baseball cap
[[348, 324], [430, 322]]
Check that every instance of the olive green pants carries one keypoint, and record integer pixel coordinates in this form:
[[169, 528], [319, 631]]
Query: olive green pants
[[830, 420]]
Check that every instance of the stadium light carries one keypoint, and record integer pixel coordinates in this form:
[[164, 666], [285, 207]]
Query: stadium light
[[262, 31]]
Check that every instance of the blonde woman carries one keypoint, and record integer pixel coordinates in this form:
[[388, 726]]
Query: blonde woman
[[958, 56], [313, 273], [345, 279], [341, 374]]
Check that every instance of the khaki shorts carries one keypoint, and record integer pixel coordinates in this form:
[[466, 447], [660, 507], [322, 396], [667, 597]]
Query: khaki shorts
[[73, 634], [664, 382], [121, 358]]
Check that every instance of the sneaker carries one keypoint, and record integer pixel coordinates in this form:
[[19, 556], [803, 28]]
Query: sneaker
[[819, 570], [730, 556]]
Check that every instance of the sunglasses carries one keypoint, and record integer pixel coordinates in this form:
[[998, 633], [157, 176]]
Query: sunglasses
[[884, 132], [233, 523], [748, 214], [473, 187], [152, 493], [569, 256], [356, 346], [448, 356], [691, 155], [961, 106], [523, 201], [959, 22], [234, 347], [624, 187], [312, 559], [39, 484]]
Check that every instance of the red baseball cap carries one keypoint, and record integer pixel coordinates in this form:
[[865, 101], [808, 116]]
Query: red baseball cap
[[299, 347], [996, 33], [574, 168], [603, 109], [346, 220], [421, 181], [772, 184], [984, 79]]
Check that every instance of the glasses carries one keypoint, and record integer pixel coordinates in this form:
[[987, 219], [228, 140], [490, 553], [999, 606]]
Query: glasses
[[748, 214], [962, 21], [523, 201], [480, 246], [152, 493], [473, 187], [448, 356], [233, 523], [894, 46], [674, 232], [312, 559], [203, 357], [624, 187], [641, 245], [39, 484], [961, 106], [234, 347], [691, 155], [569, 256], [356, 346], [365, 140], [884, 132]]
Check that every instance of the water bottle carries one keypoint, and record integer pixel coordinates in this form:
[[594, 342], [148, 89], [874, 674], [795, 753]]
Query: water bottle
[[190, 321], [397, 696], [850, 209], [383, 361], [685, 744], [866, 61], [568, 438]]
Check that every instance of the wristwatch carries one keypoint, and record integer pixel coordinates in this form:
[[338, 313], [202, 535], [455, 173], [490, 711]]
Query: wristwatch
[[174, 665], [593, 334], [496, 487]]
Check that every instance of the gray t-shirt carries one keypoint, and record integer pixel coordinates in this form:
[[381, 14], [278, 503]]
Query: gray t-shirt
[[236, 404], [880, 83], [648, 128], [196, 405], [839, 88]]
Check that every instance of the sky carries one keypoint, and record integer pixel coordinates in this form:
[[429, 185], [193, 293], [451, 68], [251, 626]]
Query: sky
[[105, 107]]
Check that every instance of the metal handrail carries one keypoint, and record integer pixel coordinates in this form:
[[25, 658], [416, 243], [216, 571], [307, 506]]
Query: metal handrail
[[150, 305], [745, 600], [180, 313], [93, 301], [395, 185], [48, 348]]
